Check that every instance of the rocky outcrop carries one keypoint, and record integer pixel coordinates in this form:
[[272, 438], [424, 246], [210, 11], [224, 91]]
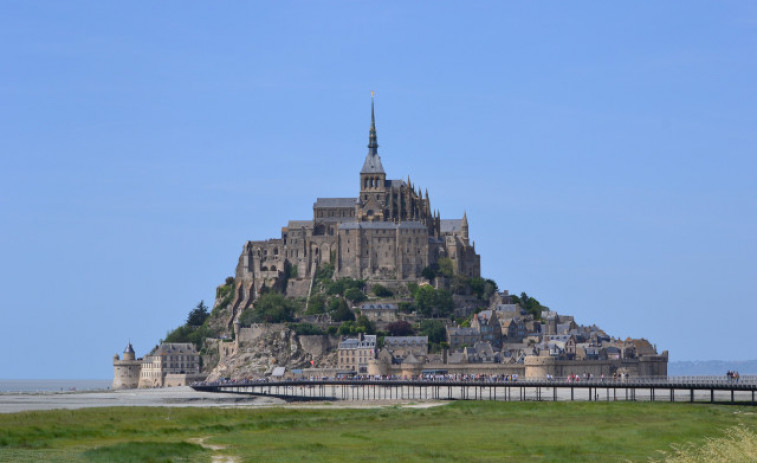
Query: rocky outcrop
[[260, 348]]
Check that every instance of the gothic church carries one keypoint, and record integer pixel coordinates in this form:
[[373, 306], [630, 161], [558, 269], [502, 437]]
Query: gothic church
[[387, 234]]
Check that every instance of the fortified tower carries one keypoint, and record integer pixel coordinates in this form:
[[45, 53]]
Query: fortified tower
[[126, 371]]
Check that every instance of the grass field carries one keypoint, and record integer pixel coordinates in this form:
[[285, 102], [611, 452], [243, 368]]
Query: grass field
[[459, 431]]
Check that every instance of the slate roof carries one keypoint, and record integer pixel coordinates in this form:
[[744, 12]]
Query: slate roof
[[334, 202], [460, 331], [450, 225], [174, 347], [405, 340], [300, 223], [378, 307], [381, 226], [372, 165], [411, 359], [508, 308], [369, 340]]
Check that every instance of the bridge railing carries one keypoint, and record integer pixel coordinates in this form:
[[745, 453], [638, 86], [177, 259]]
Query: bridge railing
[[700, 381]]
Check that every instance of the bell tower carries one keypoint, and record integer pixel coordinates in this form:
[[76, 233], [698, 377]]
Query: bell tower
[[373, 199]]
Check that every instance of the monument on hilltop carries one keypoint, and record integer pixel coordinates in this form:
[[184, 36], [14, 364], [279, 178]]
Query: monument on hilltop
[[388, 233]]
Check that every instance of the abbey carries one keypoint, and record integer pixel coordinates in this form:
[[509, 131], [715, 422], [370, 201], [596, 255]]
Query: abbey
[[388, 233]]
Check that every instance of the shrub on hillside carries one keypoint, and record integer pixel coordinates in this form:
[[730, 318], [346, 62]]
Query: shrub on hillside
[[270, 307], [382, 291], [342, 312], [306, 329], [400, 328], [354, 295]]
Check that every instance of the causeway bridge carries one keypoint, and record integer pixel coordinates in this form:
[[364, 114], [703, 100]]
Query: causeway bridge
[[700, 389]]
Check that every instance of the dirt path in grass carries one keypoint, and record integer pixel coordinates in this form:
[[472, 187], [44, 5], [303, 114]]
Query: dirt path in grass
[[215, 448]]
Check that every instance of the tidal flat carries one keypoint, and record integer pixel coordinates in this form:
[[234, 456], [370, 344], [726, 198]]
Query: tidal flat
[[472, 431]]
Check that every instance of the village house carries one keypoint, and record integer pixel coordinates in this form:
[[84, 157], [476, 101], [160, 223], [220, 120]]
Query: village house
[[487, 325], [355, 353], [379, 313], [400, 347]]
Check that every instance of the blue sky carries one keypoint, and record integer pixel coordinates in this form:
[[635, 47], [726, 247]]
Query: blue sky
[[604, 153]]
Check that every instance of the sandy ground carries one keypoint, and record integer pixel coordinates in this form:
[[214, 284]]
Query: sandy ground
[[175, 397], [167, 397], [187, 397]]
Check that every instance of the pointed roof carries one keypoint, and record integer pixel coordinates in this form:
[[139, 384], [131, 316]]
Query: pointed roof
[[372, 164]]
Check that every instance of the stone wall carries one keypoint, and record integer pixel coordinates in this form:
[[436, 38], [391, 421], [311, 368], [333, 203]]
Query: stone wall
[[177, 380], [318, 345], [647, 366], [258, 330]]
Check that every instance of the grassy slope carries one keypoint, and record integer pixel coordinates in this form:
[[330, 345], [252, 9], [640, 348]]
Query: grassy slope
[[461, 431]]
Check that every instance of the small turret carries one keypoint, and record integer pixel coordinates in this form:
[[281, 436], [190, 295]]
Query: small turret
[[129, 353]]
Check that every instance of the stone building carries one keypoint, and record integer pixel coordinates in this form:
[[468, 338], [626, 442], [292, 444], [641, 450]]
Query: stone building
[[126, 370], [172, 364], [400, 347], [355, 353], [488, 327], [388, 233], [377, 312]]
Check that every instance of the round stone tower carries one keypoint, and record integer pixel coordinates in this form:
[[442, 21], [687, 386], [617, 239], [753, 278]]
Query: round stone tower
[[126, 371]]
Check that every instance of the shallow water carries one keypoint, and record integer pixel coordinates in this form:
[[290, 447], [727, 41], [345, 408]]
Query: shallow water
[[53, 385]]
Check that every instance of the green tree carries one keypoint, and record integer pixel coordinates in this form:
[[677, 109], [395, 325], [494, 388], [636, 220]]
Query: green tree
[[342, 312], [400, 328], [316, 305], [354, 295], [529, 304], [347, 328], [305, 329], [445, 267], [324, 272], [198, 315], [405, 307], [490, 288], [435, 331], [270, 307], [363, 325], [459, 285], [382, 291], [428, 273], [412, 288], [425, 299], [476, 286], [431, 302]]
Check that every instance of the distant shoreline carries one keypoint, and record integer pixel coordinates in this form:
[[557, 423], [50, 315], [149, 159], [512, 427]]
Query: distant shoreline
[[53, 385]]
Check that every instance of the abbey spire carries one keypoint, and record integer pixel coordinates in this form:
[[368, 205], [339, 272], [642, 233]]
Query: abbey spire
[[372, 164], [372, 142]]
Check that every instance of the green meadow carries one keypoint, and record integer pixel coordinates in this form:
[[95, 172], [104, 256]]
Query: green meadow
[[468, 431]]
